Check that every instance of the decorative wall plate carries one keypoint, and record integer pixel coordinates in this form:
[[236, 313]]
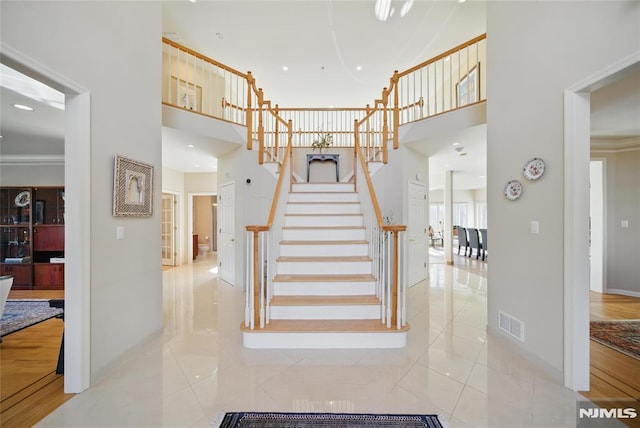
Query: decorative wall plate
[[513, 190], [533, 169], [23, 199]]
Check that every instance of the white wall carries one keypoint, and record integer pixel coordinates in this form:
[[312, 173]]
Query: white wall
[[32, 175], [121, 70], [535, 50]]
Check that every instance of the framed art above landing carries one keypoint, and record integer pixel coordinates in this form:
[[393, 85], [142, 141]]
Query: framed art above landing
[[132, 188]]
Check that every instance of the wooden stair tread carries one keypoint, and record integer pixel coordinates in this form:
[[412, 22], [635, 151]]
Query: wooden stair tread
[[322, 227], [346, 242], [325, 202], [325, 326], [365, 299], [322, 193], [323, 259], [325, 278], [323, 214]]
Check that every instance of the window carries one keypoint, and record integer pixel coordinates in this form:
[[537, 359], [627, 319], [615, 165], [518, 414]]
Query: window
[[460, 215], [482, 215]]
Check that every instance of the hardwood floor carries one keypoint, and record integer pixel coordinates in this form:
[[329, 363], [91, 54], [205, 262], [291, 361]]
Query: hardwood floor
[[614, 375], [30, 389]]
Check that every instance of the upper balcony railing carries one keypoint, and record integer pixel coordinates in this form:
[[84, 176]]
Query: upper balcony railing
[[449, 81]]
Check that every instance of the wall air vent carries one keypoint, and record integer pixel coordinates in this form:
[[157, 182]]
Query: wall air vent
[[510, 325]]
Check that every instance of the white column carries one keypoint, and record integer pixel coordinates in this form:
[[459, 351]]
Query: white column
[[448, 217]]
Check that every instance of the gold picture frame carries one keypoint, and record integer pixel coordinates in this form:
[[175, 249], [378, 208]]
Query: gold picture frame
[[468, 88], [187, 95], [132, 188]]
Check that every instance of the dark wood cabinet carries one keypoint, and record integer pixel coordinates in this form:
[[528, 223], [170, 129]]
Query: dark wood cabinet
[[48, 275], [22, 275], [48, 238], [31, 235]]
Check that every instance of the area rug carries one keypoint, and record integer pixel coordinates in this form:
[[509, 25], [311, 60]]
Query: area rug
[[623, 335], [19, 314], [326, 420]]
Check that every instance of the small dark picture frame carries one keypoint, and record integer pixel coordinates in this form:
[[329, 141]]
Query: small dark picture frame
[[39, 212]]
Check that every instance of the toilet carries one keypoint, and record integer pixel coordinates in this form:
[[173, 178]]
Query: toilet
[[203, 249]]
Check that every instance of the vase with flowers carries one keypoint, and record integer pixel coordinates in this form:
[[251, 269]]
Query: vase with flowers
[[323, 142]]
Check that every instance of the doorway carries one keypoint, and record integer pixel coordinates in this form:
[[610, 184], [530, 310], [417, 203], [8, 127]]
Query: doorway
[[169, 228], [417, 232], [577, 270], [226, 233]]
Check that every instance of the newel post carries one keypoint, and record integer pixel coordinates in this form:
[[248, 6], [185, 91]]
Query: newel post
[[395, 230], [355, 153], [260, 127], [290, 143], [385, 124], [275, 137], [250, 82], [396, 109]]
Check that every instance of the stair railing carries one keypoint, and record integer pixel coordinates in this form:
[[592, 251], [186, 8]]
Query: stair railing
[[451, 80], [262, 246], [195, 82], [386, 244]]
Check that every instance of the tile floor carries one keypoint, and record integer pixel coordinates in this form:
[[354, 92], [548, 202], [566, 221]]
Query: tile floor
[[194, 372]]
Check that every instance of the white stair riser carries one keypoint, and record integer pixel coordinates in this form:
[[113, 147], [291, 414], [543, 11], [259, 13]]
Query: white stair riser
[[323, 197], [323, 187], [319, 268], [308, 208], [319, 250], [303, 340], [338, 312], [323, 220], [323, 234], [334, 288]]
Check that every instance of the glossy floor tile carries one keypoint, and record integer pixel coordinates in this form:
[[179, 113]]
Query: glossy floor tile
[[197, 369]]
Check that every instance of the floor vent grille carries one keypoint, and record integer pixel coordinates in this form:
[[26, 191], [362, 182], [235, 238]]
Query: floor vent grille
[[510, 325]]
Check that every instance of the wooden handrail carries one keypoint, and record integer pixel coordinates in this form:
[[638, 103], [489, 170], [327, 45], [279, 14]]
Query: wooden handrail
[[203, 57], [372, 193], [443, 55], [276, 196]]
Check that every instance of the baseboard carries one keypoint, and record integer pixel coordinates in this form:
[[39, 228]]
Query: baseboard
[[516, 346], [623, 292]]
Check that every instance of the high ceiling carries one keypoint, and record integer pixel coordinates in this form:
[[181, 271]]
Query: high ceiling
[[322, 43]]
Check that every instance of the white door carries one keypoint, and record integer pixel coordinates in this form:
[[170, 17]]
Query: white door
[[417, 233], [168, 229], [226, 233]]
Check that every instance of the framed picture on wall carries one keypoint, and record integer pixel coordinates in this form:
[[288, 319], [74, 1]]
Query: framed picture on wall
[[187, 95], [39, 212], [132, 188], [468, 88]]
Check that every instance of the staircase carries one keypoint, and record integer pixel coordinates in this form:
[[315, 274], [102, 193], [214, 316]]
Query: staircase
[[324, 290]]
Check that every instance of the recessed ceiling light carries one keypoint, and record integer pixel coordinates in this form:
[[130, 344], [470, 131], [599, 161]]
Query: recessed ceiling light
[[456, 144], [23, 107], [285, 68], [191, 146], [358, 68], [197, 166]]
